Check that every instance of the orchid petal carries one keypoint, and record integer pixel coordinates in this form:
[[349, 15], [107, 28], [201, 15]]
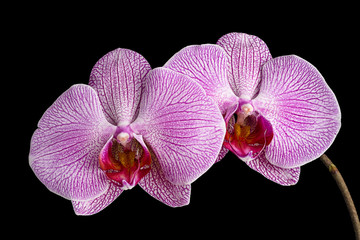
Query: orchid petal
[[118, 77], [93, 206], [65, 148], [302, 109], [183, 126], [155, 184], [247, 54], [282, 176], [206, 64]]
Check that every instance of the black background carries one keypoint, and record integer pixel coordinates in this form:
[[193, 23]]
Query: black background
[[54, 47]]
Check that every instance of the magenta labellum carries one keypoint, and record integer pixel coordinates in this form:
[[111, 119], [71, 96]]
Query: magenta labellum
[[250, 134], [125, 160]]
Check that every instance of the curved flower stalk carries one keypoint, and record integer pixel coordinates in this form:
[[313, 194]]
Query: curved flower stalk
[[280, 113], [131, 125]]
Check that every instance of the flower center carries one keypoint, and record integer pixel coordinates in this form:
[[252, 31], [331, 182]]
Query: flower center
[[250, 134], [125, 160]]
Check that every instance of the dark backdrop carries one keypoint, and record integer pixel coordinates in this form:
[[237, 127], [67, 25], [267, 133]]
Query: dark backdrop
[[56, 47]]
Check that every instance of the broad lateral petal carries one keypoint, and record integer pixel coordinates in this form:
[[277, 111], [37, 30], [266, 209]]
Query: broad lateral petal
[[282, 176], [302, 109], [247, 54], [118, 79], [206, 64], [65, 148], [93, 206], [182, 125], [155, 184]]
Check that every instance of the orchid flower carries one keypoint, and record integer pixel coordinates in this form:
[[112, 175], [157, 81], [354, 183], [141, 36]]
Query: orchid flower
[[131, 125], [280, 113]]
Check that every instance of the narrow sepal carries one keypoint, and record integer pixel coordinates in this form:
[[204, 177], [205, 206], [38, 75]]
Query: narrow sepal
[[118, 79], [96, 205], [247, 54], [282, 176], [156, 184]]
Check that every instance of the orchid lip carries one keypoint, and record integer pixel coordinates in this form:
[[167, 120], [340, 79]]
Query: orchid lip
[[124, 159], [250, 134]]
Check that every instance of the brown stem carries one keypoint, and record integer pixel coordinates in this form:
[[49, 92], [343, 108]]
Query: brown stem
[[345, 192]]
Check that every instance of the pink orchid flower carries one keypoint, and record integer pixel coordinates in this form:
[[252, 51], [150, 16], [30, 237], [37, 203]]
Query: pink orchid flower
[[280, 113], [131, 125]]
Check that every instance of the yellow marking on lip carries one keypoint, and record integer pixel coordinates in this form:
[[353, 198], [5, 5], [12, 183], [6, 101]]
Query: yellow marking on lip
[[241, 132]]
